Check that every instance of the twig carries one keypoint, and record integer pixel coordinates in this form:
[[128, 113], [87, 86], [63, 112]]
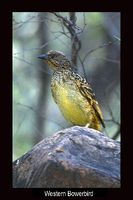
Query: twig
[[115, 136], [32, 109], [99, 47], [21, 59], [21, 23], [72, 28], [68, 24], [82, 67]]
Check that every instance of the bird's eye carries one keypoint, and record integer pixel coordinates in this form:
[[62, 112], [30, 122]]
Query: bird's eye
[[52, 56]]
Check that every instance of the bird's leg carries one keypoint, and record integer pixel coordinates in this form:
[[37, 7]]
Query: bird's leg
[[87, 125]]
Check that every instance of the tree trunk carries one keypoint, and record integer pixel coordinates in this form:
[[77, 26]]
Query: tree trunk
[[43, 81]]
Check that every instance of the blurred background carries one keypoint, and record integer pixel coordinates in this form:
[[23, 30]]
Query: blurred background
[[97, 57]]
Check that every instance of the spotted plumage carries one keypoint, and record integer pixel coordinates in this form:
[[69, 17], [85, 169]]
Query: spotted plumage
[[72, 93]]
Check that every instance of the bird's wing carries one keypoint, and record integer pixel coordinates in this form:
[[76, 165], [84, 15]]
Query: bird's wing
[[86, 91]]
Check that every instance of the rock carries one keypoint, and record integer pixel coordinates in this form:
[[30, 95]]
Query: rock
[[76, 157]]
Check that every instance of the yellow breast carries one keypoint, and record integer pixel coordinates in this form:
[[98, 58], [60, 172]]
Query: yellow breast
[[71, 103]]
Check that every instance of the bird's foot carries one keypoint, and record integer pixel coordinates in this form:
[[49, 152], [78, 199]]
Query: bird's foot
[[87, 125]]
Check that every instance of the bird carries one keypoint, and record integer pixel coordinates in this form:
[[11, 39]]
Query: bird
[[72, 93]]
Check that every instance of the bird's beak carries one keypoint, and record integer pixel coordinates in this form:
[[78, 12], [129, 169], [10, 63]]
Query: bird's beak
[[43, 56]]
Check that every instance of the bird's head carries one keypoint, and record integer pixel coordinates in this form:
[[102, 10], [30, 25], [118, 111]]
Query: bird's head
[[56, 60]]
